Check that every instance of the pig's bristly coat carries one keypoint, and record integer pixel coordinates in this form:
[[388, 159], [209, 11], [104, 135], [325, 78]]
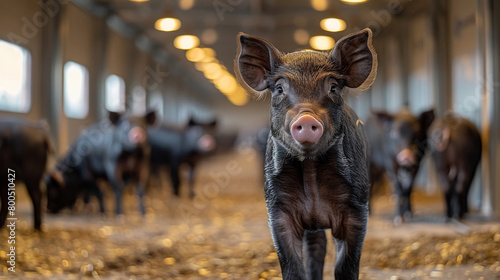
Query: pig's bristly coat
[[319, 179]]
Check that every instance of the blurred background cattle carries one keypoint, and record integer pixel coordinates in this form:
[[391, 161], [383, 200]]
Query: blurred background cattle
[[66, 64]]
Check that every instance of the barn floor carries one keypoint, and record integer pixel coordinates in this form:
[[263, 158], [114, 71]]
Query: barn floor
[[223, 234]]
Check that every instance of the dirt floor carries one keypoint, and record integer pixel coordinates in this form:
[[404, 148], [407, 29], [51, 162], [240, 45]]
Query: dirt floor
[[223, 234]]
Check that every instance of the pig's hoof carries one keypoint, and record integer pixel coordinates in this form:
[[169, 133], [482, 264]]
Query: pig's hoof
[[398, 220]]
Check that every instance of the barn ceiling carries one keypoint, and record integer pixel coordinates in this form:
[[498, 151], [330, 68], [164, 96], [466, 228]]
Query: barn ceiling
[[217, 22]]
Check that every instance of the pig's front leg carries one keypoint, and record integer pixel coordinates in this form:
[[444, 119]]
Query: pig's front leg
[[114, 175], [175, 178], [141, 184], [287, 238], [406, 177], [191, 180], [349, 243], [315, 249], [402, 190]]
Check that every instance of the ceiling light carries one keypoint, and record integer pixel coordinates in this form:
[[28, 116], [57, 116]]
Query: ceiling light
[[186, 42], [138, 1], [204, 55], [353, 1], [239, 98], [195, 55], [226, 83], [209, 52], [186, 4], [301, 36], [333, 24], [321, 42], [212, 70], [213, 75], [168, 24], [319, 5]]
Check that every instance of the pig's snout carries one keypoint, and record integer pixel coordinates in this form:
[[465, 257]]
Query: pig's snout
[[137, 135], [206, 143], [306, 129], [406, 158]]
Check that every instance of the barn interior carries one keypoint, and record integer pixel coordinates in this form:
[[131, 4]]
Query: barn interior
[[69, 63]]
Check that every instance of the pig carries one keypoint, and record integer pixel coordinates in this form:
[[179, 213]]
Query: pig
[[116, 150], [174, 147], [397, 146], [455, 145], [65, 186], [316, 160], [25, 148]]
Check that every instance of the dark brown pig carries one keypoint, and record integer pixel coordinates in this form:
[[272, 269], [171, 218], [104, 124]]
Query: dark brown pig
[[115, 149], [174, 147], [24, 150], [455, 145], [316, 160], [397, 146]]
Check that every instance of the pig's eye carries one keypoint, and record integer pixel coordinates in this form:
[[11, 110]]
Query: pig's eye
[[279, 90], [333, 88]]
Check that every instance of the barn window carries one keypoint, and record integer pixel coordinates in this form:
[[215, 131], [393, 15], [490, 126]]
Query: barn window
[[156, 103], [115, 94], [15, 78], [76, 90]]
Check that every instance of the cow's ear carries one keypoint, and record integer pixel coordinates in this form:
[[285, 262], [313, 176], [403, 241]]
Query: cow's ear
[[255, 59], [355, 58], [150, 117], [426, 118], [114, 117]]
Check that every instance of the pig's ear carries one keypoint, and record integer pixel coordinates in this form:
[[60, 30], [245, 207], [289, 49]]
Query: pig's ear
[[192, 122], [57, 176], [150, 117], [384, 119], [212, 123], [426, 118], [356, 59], [254, 60], [114, 117]]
